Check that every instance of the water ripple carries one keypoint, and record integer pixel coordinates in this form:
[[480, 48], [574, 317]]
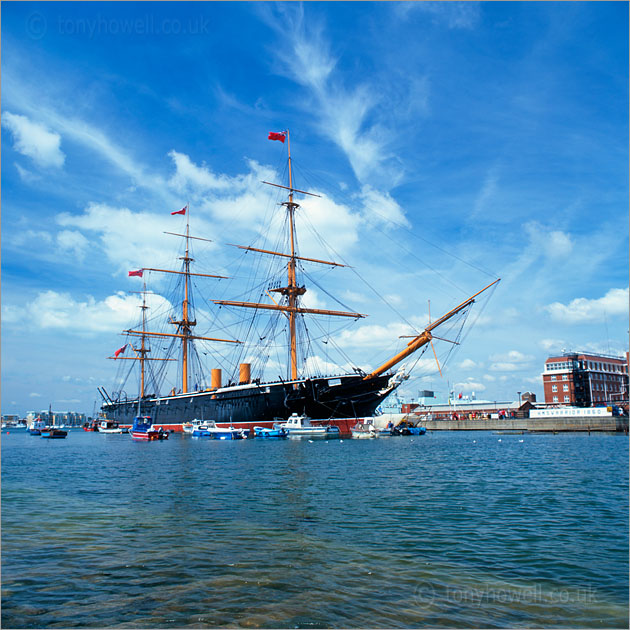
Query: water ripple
[[437, 532]]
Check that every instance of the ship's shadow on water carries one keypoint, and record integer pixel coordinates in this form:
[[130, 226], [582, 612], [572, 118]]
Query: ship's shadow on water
[[441, 530]]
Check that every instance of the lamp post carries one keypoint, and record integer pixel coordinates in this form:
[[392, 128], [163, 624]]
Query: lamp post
[[519, 398]]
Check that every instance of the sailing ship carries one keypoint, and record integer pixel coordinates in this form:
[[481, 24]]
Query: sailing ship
[[245, 402]]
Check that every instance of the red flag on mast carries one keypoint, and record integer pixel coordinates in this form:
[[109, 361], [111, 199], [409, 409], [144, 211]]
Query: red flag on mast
[[136, 273], [182, 211], [120, 350], [276, 136]]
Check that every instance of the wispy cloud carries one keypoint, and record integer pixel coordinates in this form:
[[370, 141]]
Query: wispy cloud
[[34, 140], [487, 193], [381, 208], [455, 15], [343, 111]]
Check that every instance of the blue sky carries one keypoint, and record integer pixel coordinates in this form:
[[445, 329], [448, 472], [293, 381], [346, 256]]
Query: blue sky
[[454, 143]]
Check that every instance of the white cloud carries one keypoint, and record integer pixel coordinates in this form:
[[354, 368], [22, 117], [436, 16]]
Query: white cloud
[[354, 296], [73, 243], [188, 175], [311, 299], [551, 344], [558, 244], [394, 298], [455, 15], [487, 193], [34, 140], [511, 361], [335, 223], [318, 365], [381, 208], [532, 380], [583, 310], [374, 335], [552, 244], [34, 395], [469, 385], [130, 240], [26, 176], [30, 237], [467, 364], [513, 356], [503, 366], [60, 311]]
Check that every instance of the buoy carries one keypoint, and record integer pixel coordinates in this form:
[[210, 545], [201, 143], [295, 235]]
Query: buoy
[[499, 439], [520, 440]]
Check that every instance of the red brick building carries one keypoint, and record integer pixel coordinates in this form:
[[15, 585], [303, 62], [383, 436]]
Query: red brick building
[[585, 380]]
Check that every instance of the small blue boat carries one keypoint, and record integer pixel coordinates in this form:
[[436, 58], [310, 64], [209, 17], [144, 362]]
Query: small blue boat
[[143, 429], [263, 432], [53, 434], [210, 430]]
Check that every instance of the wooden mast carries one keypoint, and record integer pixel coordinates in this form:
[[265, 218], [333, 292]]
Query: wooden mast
[[425, 336], [143, 350], [291, 285], [186, 324], [141, 353], [292, 291]]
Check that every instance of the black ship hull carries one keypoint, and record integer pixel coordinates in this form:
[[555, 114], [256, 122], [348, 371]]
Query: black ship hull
[[348, 396]]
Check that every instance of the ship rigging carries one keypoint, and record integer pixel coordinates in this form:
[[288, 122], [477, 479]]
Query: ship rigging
[[256, 400]]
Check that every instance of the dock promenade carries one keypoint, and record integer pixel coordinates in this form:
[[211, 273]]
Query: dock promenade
[[547, 424]]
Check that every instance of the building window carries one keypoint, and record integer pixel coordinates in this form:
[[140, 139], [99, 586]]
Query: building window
[[567, 399], [554, 388], [565, 388], [565, 377], [553, 377], [555, 399]]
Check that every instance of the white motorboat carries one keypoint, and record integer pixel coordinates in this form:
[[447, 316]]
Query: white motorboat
[[106, 426], [298, 425], [189, 427]]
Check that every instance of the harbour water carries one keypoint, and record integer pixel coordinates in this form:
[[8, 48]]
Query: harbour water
[[449, 529]]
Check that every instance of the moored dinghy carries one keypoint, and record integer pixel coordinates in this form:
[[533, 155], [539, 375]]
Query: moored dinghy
[[264, 432], [52, 433], [363, 430]]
